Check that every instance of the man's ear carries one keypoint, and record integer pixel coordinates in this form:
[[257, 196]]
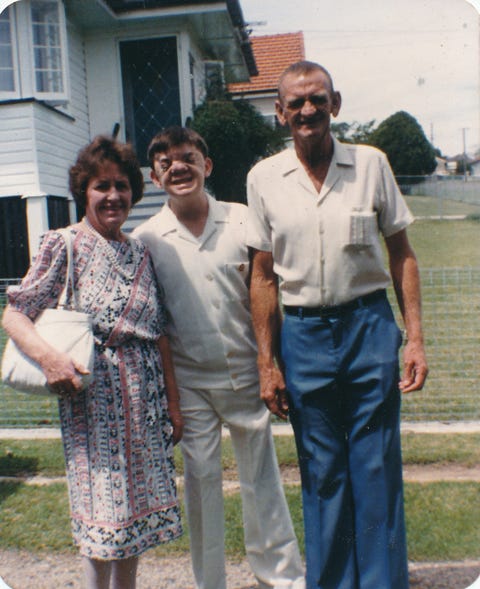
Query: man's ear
[[279, 112], [208, 167], [155, 180], [336, 103]]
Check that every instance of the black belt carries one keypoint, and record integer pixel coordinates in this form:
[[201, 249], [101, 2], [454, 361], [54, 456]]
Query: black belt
[[330, 311]]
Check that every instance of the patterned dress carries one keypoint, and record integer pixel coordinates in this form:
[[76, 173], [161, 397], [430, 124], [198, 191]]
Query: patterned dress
[[116, 434]]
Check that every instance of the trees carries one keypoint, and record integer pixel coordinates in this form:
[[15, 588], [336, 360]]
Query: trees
[[237, 136], [353, 132], [408, 150]]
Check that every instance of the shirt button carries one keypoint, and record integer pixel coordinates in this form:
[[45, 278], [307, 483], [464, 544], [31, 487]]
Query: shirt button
[[230, 354], [209, 277], [216, 304], [241, 267]]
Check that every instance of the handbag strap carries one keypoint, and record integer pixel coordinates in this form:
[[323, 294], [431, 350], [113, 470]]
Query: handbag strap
[[62, 301]]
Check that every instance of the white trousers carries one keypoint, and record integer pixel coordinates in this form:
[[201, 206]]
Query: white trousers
[[270, 541]]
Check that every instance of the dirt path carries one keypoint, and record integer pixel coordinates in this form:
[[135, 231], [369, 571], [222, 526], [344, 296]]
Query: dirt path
[[22, 570]]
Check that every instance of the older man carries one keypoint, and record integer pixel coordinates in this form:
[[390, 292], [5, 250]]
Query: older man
[[317, 213]]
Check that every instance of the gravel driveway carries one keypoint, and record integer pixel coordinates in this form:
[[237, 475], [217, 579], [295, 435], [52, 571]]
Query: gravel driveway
[[21, 570]]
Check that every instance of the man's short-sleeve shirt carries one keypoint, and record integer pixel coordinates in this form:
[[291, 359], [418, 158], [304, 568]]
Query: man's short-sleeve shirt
[[206, 295], [326, 245]]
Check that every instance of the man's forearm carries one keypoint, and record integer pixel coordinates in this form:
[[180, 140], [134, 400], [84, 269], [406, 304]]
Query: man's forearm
[[264, 308]]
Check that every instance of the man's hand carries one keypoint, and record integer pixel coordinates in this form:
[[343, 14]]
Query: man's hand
[[415, 368], [273, 391]]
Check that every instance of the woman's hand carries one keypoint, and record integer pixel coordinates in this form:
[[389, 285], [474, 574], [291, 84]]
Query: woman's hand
[[176, 419], [62, 373]]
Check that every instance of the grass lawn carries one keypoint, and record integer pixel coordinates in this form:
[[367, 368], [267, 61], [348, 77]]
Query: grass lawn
[[422, 206], [442, 518], [446, 244], [45, 457]]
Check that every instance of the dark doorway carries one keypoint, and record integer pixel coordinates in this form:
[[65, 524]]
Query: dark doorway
[[150, 89], [14, 250], [58, 213]]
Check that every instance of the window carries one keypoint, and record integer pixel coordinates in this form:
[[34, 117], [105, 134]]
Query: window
[[7, 72], [47, 46], [33, 51]]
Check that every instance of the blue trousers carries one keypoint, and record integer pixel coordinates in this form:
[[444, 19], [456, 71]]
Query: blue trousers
[[342, 378]]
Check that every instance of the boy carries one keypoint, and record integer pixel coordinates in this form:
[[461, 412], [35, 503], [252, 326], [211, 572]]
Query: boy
[[200, 256]]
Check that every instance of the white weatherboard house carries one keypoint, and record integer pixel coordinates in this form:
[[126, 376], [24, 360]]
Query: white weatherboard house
[[72, 69]]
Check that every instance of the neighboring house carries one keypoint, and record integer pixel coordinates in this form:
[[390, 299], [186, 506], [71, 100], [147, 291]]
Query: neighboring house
[[71, 69], [273, 53], [475, 168], [456, 164], [441, 169]]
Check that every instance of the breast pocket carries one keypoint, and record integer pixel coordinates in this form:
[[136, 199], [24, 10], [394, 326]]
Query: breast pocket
[[362, 229], [236, 276]]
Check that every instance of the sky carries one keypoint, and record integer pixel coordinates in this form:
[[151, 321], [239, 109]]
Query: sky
[[419, 56]]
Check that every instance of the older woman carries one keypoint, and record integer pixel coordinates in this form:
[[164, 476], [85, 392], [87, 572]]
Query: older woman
[[118, 434]]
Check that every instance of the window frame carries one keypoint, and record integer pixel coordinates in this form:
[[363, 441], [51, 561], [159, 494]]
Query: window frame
[[15, 93], [21, 27]]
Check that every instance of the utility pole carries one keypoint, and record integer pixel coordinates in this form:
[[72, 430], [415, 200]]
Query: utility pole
[[464, 130]]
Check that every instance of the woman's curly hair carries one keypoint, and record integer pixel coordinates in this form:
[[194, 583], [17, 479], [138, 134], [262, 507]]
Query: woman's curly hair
[[94, 156]]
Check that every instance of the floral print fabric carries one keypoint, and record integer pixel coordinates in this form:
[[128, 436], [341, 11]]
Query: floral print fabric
[[116, 434]]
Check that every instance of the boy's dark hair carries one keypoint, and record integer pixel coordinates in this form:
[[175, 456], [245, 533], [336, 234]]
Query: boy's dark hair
[[173, 137], [94, 156]]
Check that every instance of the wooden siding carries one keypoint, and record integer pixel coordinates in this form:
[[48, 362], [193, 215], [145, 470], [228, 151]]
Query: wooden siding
[[58, 138], [18, 172], [38, 143]]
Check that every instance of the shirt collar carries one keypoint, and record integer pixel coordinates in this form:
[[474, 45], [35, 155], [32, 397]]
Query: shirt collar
[[342, 157], [169, 222]]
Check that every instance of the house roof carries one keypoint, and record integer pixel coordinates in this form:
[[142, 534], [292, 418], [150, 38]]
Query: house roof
[[273, 53], [233, 8]]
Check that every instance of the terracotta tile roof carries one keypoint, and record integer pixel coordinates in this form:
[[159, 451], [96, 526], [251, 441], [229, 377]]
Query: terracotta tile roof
[[273, 53]]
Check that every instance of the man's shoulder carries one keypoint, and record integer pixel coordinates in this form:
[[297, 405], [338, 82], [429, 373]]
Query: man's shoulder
[[362, 151]]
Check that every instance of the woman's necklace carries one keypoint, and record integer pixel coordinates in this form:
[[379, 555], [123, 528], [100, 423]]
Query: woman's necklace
[[112, 254]]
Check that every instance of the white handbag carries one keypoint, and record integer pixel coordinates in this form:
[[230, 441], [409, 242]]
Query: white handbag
[[66, 330]]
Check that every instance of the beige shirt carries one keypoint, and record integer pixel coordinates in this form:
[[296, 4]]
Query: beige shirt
[[326, 246], [206, 295]]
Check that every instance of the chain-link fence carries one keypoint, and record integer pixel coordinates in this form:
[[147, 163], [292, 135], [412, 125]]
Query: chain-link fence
[[451, 310], [446, 190], [451, 319]]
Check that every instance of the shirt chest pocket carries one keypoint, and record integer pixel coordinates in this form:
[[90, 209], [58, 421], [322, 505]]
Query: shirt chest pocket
[[236, 276], [362, 229]]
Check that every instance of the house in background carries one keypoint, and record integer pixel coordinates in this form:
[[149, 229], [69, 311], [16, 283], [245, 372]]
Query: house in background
[[273, 53], [475, 167], [72, 69]]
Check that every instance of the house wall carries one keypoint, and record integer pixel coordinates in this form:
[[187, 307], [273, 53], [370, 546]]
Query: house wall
[[104, 80], [264, 104], [38, 143], [476, 169], [18, 169]]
